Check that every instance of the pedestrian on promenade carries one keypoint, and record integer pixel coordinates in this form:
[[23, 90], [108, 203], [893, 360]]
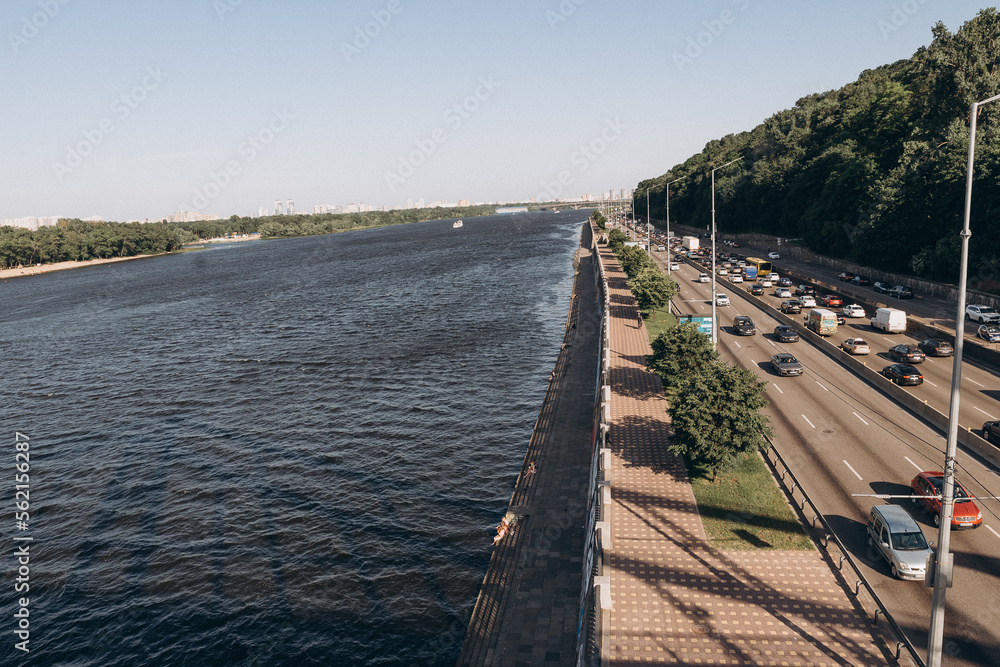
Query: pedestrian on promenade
[[638, 317]]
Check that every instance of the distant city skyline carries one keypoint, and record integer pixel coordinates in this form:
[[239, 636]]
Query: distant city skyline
[[391, 101]]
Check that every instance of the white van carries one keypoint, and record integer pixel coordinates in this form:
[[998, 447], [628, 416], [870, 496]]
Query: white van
[[889, 320]]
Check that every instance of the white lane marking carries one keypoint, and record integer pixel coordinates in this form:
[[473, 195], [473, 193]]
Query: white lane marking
[[821, 385], [974, 382], [991, 530], [808, 422], [770, 342], [987, 414], [853, 470], [862, 419], [778, 388], [737, 345], [913, 464], [929, 382]]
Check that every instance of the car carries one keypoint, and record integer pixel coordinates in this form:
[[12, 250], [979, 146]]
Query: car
[[903, 374], [991, 432], [856, 346], [678, 258], [982, 314], [675, 266], [901, 292], [757, 290], [722, 271], [773, 255], [853, 310], [786, 334], [744, 326], [721, 300], [846, 276], [860, 281], [790, 306], [807, 301], [805, 289], [841, 320], [782, 292], [660, 248], [927, 485], [907, 353], [786, 364], [881, 288], [898, 539], [704, 278], [735, 278], [773, 277], [832, 300], [764, 282], [990, 333], [785, 282], [935, 347]]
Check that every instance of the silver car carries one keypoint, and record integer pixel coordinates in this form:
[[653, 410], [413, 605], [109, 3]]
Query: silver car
[[894, 534]]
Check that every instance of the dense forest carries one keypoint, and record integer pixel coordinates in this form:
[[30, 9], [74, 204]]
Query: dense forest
[[78, 240], [873, 172]]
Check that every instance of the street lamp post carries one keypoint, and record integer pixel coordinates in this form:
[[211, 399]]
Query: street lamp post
[[667, 188], [715, 322], [943, 561]]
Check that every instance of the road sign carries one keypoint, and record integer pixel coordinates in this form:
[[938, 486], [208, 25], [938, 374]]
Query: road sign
[[704, 322]]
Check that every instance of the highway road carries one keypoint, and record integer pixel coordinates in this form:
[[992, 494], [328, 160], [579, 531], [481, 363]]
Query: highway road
[[843, 437]]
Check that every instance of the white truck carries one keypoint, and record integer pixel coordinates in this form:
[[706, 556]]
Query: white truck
[[690, 242], [889, 320]]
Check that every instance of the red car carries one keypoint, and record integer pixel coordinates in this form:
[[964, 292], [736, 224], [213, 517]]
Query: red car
[[967, 513], [832, 300]]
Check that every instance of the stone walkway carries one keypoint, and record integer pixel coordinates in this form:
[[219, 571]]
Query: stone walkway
[[676, 600]]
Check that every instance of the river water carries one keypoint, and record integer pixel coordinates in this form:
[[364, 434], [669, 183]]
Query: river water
[[286, 452]]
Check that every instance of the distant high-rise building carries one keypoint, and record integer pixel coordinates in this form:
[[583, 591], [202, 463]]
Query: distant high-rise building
[[291, 207], [277, 207], [262, 212]]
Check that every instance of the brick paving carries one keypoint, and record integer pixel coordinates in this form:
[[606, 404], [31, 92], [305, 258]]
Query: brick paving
[[676, 600]]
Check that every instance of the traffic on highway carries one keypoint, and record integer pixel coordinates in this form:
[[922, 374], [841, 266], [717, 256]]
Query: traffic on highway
[[847, 441]]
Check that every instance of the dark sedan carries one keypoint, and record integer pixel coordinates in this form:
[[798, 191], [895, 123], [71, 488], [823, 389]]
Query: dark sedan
[[757, 290], [846, 276], [786, 364], [860, 281], [903, 374], [786, 334], [901, 292], [935, 347], [907, 353], [784, 282], [881, 288]]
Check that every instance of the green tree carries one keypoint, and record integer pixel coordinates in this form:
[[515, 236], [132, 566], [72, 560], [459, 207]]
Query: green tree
[[633, 259], [716, 417], [652, 288], [680, 353], [616, 239]]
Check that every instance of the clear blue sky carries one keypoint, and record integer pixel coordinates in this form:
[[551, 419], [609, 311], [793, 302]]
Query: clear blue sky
[[135, 110]]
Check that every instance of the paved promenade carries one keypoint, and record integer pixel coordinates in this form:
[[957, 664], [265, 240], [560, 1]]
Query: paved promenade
[[676, 600]]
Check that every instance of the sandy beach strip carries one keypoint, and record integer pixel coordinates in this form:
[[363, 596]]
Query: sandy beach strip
[[40, 269]]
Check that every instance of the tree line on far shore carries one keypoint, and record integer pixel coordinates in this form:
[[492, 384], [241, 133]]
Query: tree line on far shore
[[79, 240]]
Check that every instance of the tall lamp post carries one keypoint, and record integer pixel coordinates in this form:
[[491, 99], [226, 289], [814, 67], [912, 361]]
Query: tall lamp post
[[667, 188], [715, 322], [943, 560], [649, 240]]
